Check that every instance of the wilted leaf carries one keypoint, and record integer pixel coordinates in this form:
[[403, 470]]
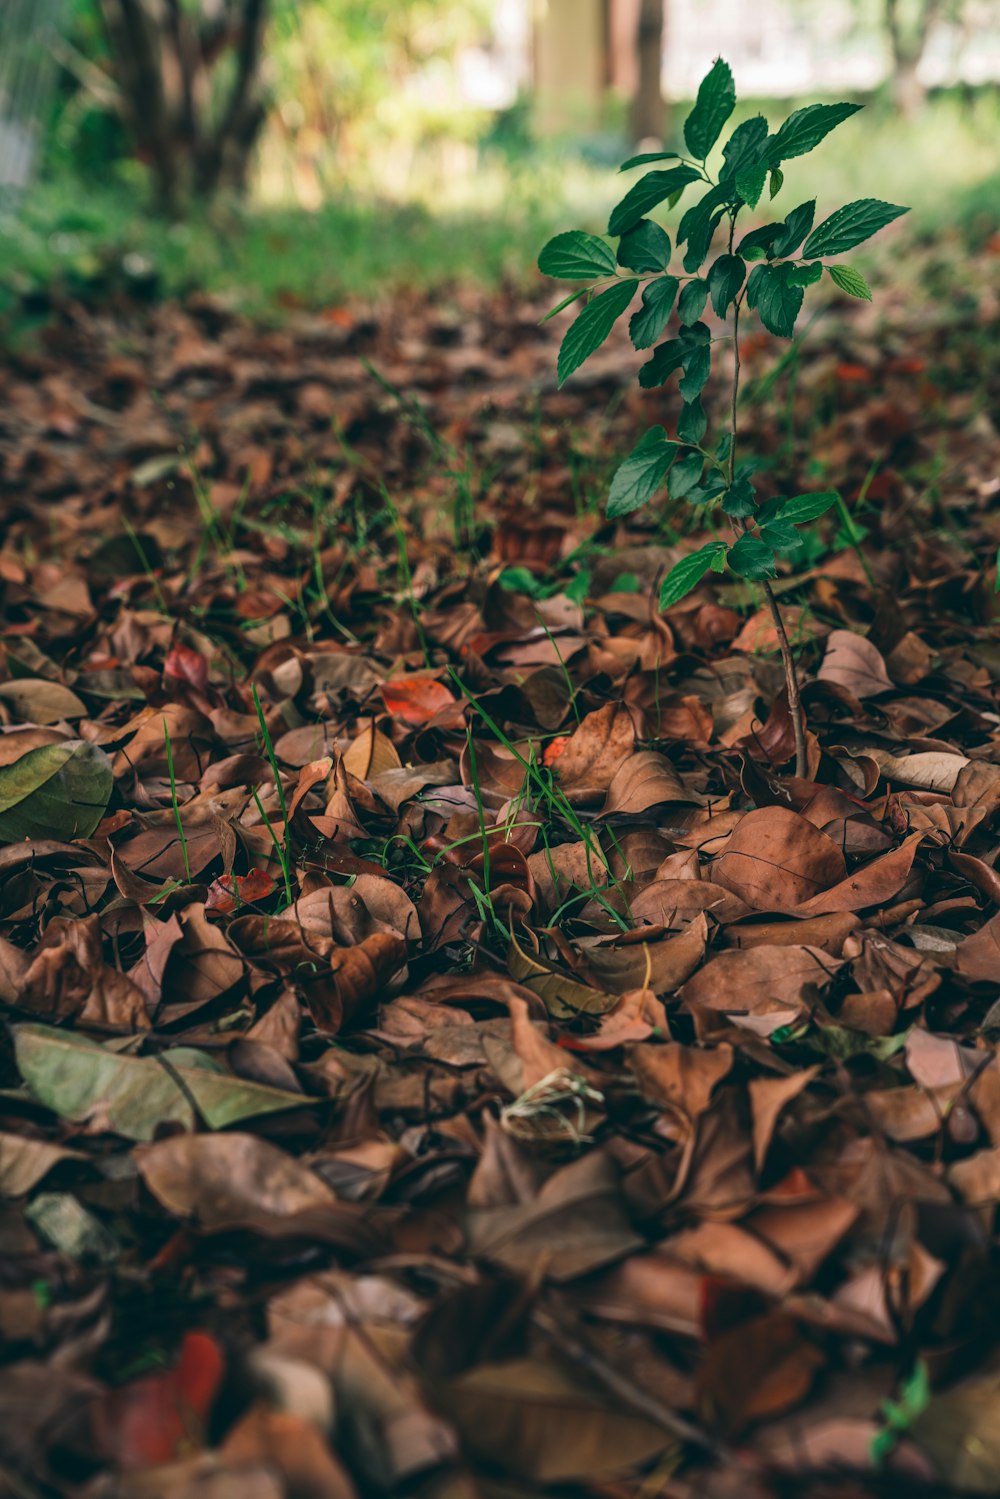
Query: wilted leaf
[[133, 1096], [56, 791]]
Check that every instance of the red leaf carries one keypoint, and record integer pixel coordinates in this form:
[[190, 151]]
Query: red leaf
[[160, 1417], [416, 700], [230, 891], [185, 665]]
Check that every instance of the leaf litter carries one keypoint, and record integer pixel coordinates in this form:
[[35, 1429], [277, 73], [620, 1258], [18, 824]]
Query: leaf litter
[[446, 1049]]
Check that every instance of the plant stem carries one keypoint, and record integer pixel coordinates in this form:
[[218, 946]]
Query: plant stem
[[784, 644]]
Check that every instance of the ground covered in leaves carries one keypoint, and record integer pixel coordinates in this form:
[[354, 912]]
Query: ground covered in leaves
[[446, 1052]]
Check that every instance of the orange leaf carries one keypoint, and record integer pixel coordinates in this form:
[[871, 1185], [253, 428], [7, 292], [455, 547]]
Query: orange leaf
[[416, 700]]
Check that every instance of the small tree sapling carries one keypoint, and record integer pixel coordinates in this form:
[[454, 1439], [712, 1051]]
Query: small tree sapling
[[767, 271]]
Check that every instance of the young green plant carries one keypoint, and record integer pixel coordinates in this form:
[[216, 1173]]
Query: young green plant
[[766, 271]]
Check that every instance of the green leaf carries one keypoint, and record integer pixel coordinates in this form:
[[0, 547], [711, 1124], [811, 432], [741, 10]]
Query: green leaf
[[648, 323], [806, 128], [642, 473], [133, 1096], [646, 158], [744, 147], [697, 368], [750, 183], [850, 225], [804, 275], [576, 256], [803, 507], [795, 228], [850, 280], [777, 303], [752, 558], [685, 474], [692, 422], [691, 303], [688, 573], [724, 281], [657, 371], [715, 103], [56, 791], [646, 194], [588, 331], [756, 244], [645, 248], [777, 182], [520, 580], [578, 587], [574, 296], [780, 535]]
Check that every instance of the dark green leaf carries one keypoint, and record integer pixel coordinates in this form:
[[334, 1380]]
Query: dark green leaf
[[750, 183], [688, 573], [780, 535], [795, 228], [576, 256], [691, 303], [642, 473], [806, 128], [739, 499], [56, 791], [697, 333], [715, 103], [752, 558], [724, 281], [697, 368], [588, 331], [692, 422], [703, 493], [665, 360], [756, 244], [803, 507], [649, 322], [646, 158], [698, 215], [804, 275], [744, 146], [777, 182], [850, 225], [646, 194], [850, 280], [645, 248], [777, 303], [685, 475], [700, 240]]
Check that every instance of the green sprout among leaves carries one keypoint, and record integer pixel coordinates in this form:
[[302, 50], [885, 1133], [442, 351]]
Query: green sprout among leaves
[[767, 271]]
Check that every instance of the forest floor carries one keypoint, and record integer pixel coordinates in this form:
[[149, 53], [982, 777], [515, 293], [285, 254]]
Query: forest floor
[[446, 1051]]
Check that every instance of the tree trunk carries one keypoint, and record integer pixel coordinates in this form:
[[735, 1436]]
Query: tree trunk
[[196, 134], [648, 111], [907, 45]]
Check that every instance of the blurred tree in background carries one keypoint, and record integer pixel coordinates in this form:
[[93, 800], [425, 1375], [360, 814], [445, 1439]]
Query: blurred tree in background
[[183, 77]]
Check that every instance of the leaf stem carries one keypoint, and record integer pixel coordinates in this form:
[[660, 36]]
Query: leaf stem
[[784, 644]]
